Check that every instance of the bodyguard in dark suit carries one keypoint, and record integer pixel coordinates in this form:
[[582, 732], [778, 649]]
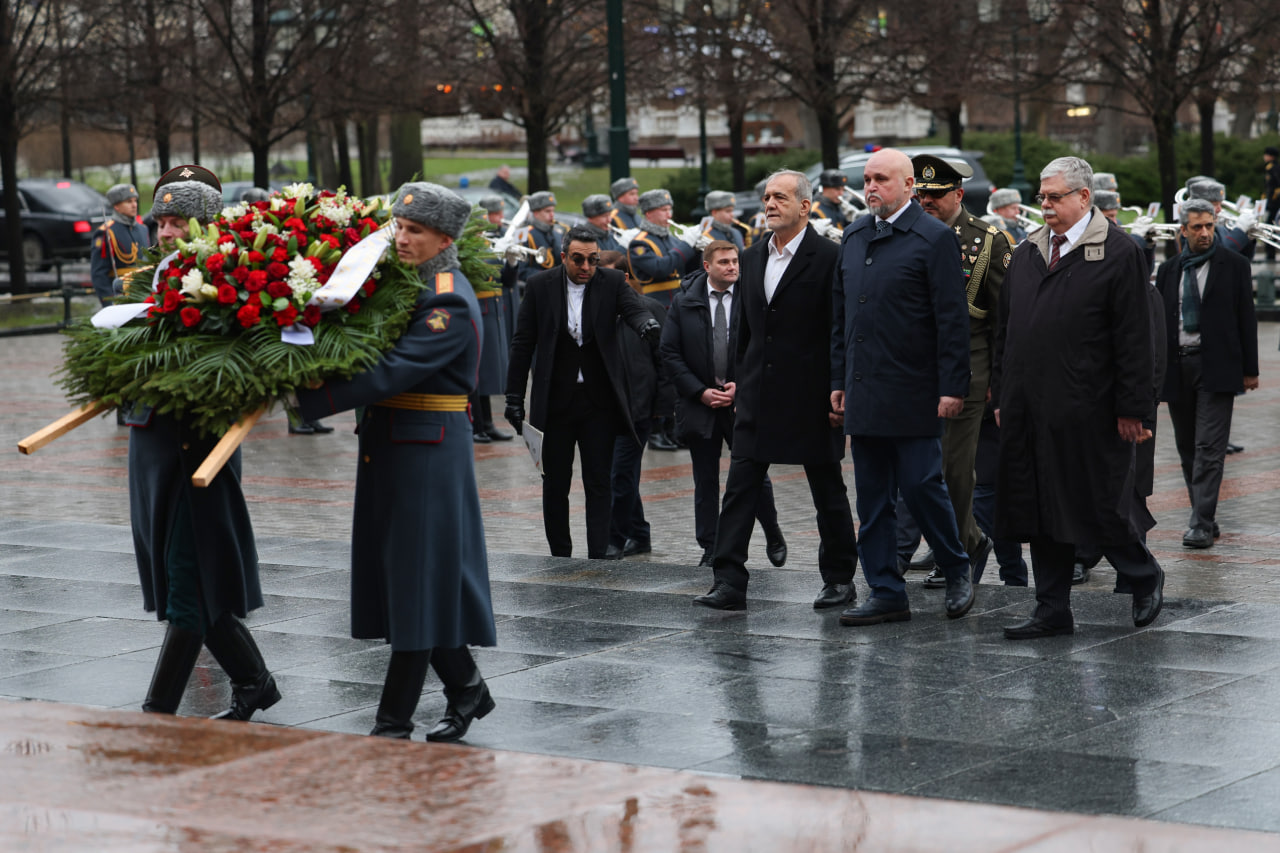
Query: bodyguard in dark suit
[[705, 390], [568, 320], [419, 570], [783, 406], [899, 365], [1212, 347]]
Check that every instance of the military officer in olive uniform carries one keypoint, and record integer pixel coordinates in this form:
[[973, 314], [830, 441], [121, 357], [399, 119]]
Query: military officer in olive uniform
[[985, 252], [830, 203], [659, 259], [542, 232], [720, 224], [599, 213], [626, 201], [119, 243]]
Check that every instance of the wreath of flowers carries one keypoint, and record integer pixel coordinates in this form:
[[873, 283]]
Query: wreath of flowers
[[208, 346]]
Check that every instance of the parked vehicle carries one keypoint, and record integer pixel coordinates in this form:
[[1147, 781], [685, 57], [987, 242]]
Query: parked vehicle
[[59, 217], [977, 189]]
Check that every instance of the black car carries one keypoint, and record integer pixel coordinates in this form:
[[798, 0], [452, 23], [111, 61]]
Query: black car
[[59, 217]]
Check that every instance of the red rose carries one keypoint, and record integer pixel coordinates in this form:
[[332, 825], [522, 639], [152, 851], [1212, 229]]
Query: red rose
[[295, 224], [311, 315], [331, 239], [353, 306], [151, 299], [215, 262], [317, 263], [287, 316], [248, 315], [276, 289], [277, 270], [351, 236], [253, 299], [256, 257], [240, 274], [227, 294], [369, 287], [172, 299], [279, 256], [190, 316], [173, 272], [257, 280], [248, 236]]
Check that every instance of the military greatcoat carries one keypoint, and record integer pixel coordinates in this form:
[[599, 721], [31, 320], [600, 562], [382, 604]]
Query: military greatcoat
[[419, 571]]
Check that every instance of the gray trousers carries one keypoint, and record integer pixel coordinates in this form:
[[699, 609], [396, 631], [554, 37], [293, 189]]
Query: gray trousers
[[1201, 426]]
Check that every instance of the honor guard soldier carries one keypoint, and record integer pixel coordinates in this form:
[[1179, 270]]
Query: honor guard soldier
[[658, 258], [1005, 207], [599, 213], [720, 224], [985, 252], [626, 201], [1271, 190], [543, 232], [830, 203], [119, 243], [493, 211]]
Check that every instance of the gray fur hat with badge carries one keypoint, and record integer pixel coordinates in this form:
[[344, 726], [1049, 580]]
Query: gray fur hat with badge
[[1207, 189], [654, 199], [1106, 199], [1105, 181], [1003, 197], [491, 204], [717, 199], [434, 206], [596, 205], [121, 192], [192, 192], [541, 200], [623, 185]]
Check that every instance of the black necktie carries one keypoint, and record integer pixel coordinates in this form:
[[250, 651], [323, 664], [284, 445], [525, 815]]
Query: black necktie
[[720, 339], [883, 226]]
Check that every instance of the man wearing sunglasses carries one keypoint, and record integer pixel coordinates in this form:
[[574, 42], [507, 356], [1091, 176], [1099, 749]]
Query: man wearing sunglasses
[[568, 319], [1072, 380]]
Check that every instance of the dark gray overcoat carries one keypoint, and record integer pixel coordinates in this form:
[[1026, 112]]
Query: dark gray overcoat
[[1073, 354], [493, 360], [163, 454], [419, 571]]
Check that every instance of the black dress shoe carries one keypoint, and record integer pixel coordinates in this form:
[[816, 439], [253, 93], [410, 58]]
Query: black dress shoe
[[1034, 629], [873, 611], [1147, 607], [935, 579], [613, 552], [835, 595], [1216, 531], [658, 441], [959, 598], [303, 428], [980, 554], [708, 559], [496, 434], [320, 428], [775, 547], [631, 547], [924, 562], [1234, 448], [723, 597], [1197, 538], [480, 438], [1079, 574]]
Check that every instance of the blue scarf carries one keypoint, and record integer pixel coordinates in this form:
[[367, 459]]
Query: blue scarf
[[1191, 293]]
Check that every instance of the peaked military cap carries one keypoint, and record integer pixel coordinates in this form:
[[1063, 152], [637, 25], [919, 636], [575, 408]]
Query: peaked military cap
[[654, 199], [538, 201], [434, 206], [716, 199], [596, 204], [832, 178], [936, 174], [623, 185]]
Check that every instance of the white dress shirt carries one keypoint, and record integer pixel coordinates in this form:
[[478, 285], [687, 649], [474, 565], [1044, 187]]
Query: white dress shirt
[[778, 261], [574, 294]]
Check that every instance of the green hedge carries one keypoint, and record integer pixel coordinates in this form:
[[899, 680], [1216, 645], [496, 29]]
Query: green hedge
[[683, 184]]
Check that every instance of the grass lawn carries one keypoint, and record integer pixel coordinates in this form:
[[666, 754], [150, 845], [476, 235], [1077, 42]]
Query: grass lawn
[[42, 312]]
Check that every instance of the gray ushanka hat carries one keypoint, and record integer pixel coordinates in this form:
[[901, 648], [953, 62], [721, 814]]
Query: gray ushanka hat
[[1105, 181], [190, 191], [716, 199], [1209, 190], [491, 204], [121, 192], [653, 199], [1003, 197], [1106, 199], [596, 205], [434, 206]]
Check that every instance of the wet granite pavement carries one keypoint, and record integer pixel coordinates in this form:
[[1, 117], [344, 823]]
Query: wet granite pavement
[[608, 661]]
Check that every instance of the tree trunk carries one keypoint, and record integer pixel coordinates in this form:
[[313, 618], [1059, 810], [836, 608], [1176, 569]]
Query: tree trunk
[[367, 138], [64, 130], [536, 149], [1205, 105], [195, 136], [955, 128], [344, 154], [1165, 122], [828, 135], [133, 152], [9, 178], [1109, 135], [406, 148], [737, 152], [326, 167], [1245, 110]]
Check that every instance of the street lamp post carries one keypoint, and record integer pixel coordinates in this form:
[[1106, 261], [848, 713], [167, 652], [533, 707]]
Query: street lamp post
[[1037, 13], [619, 135]]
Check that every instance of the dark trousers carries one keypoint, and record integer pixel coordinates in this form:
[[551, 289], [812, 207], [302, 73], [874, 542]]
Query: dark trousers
[[626, 519], [1013, 569], [591, 430], [838, 554], [1052, 561], [705, 456], [1201, 427], [882, 467], [908, 532]]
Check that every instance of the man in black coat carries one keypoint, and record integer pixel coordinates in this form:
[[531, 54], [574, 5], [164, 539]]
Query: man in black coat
[[1073, 379], [899, 365], [783, 405], [568, 319], [1212, 346], [703, 379]]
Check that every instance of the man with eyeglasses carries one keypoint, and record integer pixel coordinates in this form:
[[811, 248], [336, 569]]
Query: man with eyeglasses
[[1073, 378], [568, 320]]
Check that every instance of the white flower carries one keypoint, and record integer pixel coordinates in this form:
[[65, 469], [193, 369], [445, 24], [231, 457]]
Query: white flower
[[265, 227], [277, 203], [208, 291], [192, 282], [302, 275], [301, 190], [235, 211], [336, 210]]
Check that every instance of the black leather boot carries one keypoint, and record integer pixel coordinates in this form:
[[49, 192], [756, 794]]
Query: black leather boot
[[252, 687], [400, 693], [465, 690], [173, 669]]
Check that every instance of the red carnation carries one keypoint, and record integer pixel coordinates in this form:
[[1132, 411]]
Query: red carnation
[[257, 280], [276, 289], [214, 263], [248, 315], [240, 274], [190, 316], [279, 256], [331, 239], [369, 287], [172, 299], [173, 272], [311, 315], [317, 263], [253, 299], [352, 236], [295, 224], [227, 294], [256, 257], [277, 270], [287, 316]]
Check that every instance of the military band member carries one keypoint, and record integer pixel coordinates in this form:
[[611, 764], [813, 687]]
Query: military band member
[[830, 203], [658, 258], [599, 213], [985, 252], [497, 336], [1006, 205], [626, 202], [721, 225], [542, 232], [119, 243]]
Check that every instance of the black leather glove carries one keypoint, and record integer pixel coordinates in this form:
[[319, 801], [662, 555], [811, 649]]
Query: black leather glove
[[515, 413], [651, 332]]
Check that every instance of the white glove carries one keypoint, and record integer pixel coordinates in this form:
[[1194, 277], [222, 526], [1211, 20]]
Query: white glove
[[850, 212], [1141, 226], [1246, 220]]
